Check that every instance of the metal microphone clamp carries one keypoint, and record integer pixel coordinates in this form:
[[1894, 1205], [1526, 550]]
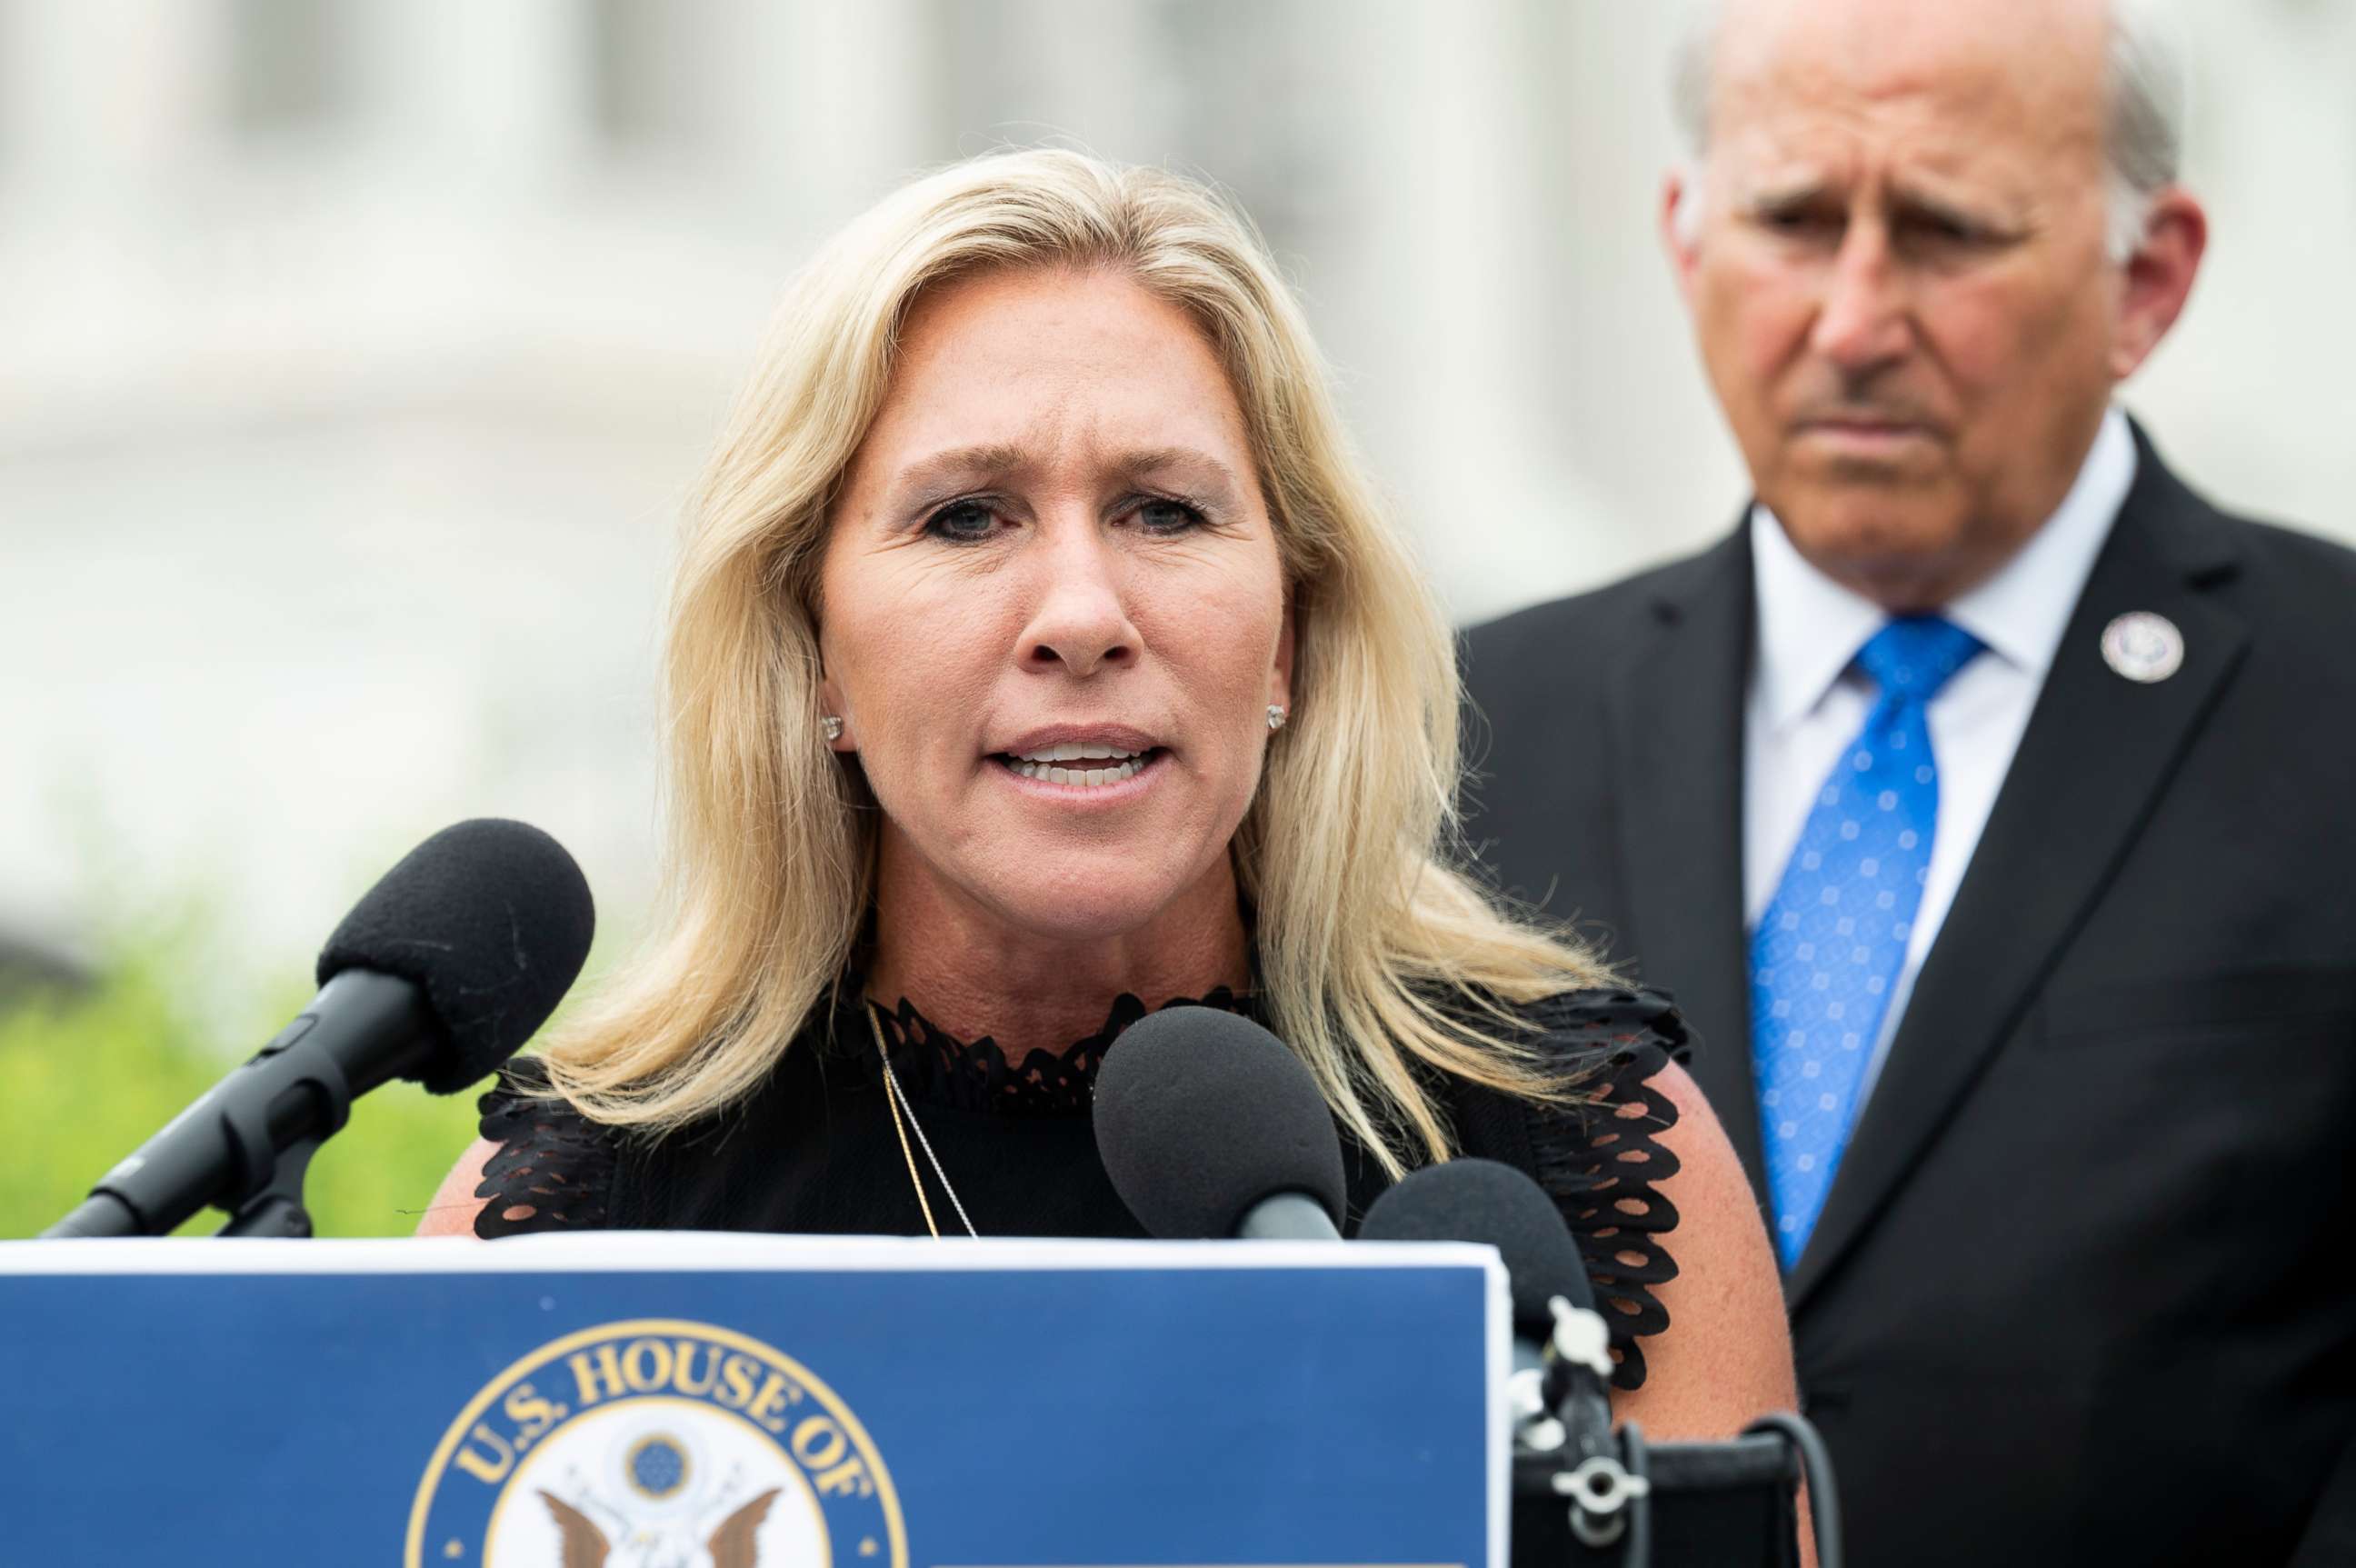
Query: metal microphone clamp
[[1581, 1338], [1560, 1408]]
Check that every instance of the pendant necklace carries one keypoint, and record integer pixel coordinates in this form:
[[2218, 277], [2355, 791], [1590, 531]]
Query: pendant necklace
[[904, 1116]]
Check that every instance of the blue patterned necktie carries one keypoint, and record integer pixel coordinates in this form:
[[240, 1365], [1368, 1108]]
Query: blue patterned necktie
[[1828, 950]]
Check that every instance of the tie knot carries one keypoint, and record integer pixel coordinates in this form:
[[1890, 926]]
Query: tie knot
[[1913, 656]]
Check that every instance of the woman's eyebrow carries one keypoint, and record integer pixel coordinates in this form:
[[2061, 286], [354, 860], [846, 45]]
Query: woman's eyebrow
[[959, 465], [1150, 462]]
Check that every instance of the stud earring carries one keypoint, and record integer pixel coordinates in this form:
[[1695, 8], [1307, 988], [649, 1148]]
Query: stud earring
[[833, 728], [1276, 716]]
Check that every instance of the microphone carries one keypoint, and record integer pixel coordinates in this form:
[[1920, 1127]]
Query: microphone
[[1559, 1389], [1484, 1201], [1562, 1349], [1210, 1127], [439, 973]]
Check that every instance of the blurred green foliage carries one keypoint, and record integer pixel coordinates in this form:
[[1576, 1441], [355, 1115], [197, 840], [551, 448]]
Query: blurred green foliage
[[86, 1075]]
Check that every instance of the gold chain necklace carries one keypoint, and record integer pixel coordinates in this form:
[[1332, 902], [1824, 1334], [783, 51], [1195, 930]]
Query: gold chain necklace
[[898, 1101]]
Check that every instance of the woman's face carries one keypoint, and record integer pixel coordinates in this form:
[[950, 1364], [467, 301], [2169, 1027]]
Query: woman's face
[[1052, 611]]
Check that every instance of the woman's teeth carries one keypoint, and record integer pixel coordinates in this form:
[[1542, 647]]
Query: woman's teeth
[[1112, 764]]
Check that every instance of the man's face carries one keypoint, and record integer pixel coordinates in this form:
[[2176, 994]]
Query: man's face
[[1897, 276]]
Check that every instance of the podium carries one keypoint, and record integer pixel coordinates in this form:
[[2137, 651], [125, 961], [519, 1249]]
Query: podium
[[673, 1401]]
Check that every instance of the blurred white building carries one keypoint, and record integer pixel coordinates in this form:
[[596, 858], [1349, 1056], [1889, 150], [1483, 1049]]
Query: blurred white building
[[355, 352]]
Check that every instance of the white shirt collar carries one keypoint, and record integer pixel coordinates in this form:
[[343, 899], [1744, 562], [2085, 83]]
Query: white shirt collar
[[1809, 627]]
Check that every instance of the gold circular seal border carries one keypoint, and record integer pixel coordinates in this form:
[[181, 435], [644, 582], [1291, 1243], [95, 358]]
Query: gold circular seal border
[[412, 1550]]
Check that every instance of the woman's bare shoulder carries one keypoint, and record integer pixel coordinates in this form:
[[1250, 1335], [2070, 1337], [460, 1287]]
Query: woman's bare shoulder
[[1726, 1355], [454, 1205]]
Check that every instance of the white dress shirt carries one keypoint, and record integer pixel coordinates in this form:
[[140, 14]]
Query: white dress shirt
[[1806, 703]]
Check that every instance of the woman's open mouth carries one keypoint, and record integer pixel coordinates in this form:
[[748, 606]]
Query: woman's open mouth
[[1086, 764]]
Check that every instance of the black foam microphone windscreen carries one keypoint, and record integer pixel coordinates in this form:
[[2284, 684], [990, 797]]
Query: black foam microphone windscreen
[[1200, 1114], [1480, 1200], [491, 920]]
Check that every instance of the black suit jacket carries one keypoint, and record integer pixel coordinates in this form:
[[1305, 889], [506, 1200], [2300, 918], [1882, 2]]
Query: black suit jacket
[[2076, 1295]]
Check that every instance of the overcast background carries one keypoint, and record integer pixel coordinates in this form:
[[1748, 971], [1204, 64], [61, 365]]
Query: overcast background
[[352, 357]]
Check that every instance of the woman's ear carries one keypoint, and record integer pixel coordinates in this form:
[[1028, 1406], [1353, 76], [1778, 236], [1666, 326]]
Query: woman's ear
[[834, 726], [1279, 673]]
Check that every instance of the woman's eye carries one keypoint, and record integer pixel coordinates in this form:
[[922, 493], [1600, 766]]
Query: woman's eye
[[1167, 517], [962, 522]]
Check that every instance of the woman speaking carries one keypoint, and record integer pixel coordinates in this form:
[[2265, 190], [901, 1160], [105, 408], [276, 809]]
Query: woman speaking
[[1040, 658]]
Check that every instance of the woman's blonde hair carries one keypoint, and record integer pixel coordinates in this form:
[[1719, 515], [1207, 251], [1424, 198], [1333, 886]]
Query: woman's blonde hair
[[1375, 957]]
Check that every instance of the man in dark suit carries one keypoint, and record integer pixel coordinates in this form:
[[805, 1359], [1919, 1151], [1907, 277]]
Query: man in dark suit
[[1988, 799]]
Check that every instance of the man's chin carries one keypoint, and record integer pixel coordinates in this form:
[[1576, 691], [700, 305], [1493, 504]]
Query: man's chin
[[1888, 545]]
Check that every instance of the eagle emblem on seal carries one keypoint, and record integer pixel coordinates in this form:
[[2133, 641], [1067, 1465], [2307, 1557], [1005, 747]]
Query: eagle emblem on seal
[[734, 1544], [655, 1444]]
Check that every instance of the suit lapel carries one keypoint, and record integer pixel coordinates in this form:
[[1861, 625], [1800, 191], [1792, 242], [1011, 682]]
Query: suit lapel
[[2096, 755], [1677, 727]]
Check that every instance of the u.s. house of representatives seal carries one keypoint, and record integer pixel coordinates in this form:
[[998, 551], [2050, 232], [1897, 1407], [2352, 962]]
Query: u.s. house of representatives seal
[[655, 1444]]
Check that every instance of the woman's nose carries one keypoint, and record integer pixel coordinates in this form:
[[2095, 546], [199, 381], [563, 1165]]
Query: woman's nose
[[1082, 623]]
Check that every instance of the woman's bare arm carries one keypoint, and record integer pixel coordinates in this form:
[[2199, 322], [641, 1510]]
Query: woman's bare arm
[[1726, 1356], [454, 1205]]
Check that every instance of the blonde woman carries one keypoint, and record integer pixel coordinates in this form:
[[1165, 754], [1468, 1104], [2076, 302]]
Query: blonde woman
[[1039, 658]]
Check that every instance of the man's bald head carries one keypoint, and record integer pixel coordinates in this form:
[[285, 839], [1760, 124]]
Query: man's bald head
[[2114, 49], [1922, 245]]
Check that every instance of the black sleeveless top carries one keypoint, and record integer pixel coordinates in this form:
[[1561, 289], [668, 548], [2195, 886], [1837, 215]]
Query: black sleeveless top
[[814, 1151]]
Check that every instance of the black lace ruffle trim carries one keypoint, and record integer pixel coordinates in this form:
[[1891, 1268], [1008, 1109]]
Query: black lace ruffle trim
[[1602, 1161], [936, 1067], [554, 1166]]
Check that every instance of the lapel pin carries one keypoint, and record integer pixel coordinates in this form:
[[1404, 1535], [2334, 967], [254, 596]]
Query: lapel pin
[[2143, 646]]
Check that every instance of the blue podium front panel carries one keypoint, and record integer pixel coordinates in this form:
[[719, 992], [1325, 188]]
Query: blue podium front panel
[[720, 1401]]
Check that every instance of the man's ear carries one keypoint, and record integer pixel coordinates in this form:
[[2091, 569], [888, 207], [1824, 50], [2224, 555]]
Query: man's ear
[[1680, 219], [2157, 279]]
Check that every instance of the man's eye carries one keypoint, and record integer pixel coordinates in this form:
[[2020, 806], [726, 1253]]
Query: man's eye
[[1159, 516], [1804, 223], [962, 522], [1941, 231]]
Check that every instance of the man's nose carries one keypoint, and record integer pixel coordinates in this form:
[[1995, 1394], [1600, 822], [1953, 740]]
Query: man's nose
[[1861, 323], [1082, 623]]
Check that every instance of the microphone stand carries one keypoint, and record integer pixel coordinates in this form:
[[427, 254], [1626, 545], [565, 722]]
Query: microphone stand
[[299, 1100], [1607, 1480], [1564, 1444]]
